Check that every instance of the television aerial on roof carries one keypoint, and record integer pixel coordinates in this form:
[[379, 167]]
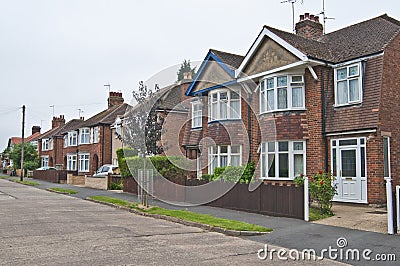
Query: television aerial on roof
[[324, 15], [292, 2]]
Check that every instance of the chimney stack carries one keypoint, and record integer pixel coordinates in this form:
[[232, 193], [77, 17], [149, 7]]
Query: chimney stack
[[35, 129], [115, 99], [187, 76], [309, 27], [58, 121]]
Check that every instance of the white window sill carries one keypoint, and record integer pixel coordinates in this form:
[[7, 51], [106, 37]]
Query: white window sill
[[283, 110], [347, 104], [276, 179]]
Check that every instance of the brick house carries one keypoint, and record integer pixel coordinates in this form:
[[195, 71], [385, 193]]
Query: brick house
[[82, 146], [307, 102]]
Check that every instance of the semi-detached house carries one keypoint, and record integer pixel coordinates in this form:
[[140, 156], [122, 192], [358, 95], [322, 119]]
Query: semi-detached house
[[304, 102], [82, 146]]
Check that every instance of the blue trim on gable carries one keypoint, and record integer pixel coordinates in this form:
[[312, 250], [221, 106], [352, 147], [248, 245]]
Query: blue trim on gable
[[216, 87], [203, 65]]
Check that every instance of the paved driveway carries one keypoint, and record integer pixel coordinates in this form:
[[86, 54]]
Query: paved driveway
[[38, 227]]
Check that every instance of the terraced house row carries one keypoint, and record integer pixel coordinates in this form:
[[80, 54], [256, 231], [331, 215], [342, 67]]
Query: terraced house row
[[304, 102]]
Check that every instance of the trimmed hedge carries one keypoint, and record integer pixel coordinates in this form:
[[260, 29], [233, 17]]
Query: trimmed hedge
[[241, 174]]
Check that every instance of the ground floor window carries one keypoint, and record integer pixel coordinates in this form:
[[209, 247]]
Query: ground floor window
[[44, 161], [84, 162], [224, 155], [283, 159], [71, 162]]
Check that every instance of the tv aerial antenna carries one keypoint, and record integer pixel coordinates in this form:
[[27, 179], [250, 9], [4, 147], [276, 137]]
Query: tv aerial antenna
[[292, 2], [325, 18]]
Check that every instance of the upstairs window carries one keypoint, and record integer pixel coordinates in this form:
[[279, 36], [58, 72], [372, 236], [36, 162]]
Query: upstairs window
[[72, 138], [282, 93], [84, 136], [348, 85], [47, 144], [95, 134], [224, 105], [197, 114]]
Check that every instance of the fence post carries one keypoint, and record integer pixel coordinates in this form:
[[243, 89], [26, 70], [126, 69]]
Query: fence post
[[398, 207], [389, 199], [306, 200]]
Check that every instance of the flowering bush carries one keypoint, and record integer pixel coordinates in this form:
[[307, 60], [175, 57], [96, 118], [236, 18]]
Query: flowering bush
[[321, 189]]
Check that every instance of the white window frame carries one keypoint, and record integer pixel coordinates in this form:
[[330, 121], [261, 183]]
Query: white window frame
[[44, 161], [348, 79], [72, 162], [215, 151], [96, 135], [197, 114], [219, 102], [291, 152], [84, 135], [47, 144], [263, 87], [72, 138], [84, 162]]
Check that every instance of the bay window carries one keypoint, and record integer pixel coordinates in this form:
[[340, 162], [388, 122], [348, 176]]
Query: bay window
[[84, 136], [282, 159], [348, 85], [197, 114], [285, 92], [223, 105], [84, 162], [224, 155]]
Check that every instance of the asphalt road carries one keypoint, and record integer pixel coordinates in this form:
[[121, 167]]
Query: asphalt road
[[38, 227]]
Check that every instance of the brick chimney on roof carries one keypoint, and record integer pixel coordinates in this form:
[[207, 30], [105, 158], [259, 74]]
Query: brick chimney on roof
[[35, 129], [58, 121], [115, 99], [309, 27]]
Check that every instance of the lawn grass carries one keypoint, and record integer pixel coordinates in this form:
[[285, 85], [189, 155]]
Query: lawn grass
[[64, 190], [315, 214], [29, 183], [188, 216]]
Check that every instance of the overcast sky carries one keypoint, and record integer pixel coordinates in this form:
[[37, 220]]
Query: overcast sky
[[62, 52]]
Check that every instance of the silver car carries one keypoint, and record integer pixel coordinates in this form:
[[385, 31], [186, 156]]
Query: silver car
[[105, 170]]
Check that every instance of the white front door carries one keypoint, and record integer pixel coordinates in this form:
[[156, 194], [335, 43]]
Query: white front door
[[349, 166]]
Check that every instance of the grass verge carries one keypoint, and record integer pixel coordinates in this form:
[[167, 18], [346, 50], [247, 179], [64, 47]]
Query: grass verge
[[63, 190], [188, 216], [17, 180], [315, 214]]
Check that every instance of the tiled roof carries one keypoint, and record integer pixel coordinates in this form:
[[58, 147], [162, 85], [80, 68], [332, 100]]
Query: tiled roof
[[71, 125], [358, 40], [51, 133], [233, 61], [33, 137], [107, 116]]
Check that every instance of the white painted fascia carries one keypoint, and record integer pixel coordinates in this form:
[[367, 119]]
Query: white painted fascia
[[276, 38], [351, 132]]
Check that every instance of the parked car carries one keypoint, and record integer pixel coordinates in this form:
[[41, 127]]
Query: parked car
[[105, 170], [46, 168]]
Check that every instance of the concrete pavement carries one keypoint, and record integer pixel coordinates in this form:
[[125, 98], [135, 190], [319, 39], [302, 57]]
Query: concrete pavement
[[38, 227]]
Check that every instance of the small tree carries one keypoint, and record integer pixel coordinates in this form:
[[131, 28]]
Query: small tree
[[143, 123], [31, 159], [185, 67]]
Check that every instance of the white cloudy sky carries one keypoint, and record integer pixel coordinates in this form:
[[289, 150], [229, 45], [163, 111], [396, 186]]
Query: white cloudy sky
[[62, 52]]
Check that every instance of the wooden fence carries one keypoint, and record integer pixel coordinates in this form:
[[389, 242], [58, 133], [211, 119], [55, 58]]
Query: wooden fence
[[54, 176]]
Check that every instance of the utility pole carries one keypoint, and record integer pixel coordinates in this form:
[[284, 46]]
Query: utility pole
[[23, 143]]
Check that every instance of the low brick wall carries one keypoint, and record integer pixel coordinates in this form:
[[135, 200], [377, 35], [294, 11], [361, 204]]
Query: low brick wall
[[75, 180], [96, 182]]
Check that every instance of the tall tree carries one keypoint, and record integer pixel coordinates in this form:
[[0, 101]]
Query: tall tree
[[185, 67], [143, 123], [31, 158]]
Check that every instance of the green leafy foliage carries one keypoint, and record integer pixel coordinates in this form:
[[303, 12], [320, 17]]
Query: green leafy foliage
[[31, 159], [321, 189], [241, 174], [184, 68]]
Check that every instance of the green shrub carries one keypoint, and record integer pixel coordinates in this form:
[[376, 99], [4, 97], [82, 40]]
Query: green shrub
[[321, 189], [115, 186], [207, 177], [241, 174]]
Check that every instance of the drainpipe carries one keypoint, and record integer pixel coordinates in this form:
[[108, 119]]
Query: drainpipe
[[102, 145], [249, 125], [324, 117]]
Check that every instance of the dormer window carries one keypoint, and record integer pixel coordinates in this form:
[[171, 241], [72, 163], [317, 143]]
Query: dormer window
[[348, 85], [282, 93], [84, 136], [224, 104]]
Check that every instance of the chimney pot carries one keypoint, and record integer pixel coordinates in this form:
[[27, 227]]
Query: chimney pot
[[187, 75], [307, 15], [301, 17], [316, 18], [312, 17]]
